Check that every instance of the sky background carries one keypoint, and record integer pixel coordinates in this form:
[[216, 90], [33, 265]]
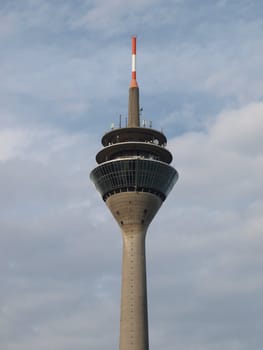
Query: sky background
[[64, 78]]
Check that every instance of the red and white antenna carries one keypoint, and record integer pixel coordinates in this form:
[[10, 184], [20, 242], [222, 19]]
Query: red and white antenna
[[133, 81]]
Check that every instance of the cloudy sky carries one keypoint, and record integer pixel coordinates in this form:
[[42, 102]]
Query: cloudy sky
[[65, 72]]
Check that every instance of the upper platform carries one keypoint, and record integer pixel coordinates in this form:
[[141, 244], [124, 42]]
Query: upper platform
[[138, 134], [131, 149]]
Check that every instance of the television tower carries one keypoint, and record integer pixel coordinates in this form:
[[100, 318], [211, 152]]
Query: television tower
[[134, 177]]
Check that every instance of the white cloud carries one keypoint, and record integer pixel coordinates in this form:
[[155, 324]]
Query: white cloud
[[210, 275], [115, 16], [240, 131], [12, 143], [38, 144], [225, 161]]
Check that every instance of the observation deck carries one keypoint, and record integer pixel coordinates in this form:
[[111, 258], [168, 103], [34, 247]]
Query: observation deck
[[123, 142], [134, 174], [134, 159]]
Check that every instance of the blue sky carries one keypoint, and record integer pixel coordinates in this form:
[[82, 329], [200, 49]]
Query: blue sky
[[65, 72]]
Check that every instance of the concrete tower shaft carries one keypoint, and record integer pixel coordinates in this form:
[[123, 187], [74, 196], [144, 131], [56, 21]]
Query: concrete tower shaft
[[134, 177], [134, 212]]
